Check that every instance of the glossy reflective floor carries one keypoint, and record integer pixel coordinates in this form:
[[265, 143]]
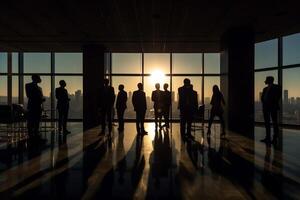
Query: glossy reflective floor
[[157, 166]]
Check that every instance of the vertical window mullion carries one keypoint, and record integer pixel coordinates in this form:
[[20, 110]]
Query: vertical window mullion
[[21, 77], [52, 89], [9, 78]]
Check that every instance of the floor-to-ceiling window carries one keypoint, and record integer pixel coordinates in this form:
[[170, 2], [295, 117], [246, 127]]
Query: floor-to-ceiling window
[[16, 70], [203, 69], [279, 58]]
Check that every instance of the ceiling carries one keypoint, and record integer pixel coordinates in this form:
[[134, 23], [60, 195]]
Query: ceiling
[[139, 25]]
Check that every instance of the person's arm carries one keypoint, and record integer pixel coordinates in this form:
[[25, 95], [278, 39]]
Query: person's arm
[[178, 105], [133, 99], [152, 96]]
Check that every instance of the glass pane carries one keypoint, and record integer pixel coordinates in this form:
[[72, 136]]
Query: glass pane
[[74, 87], [266, 54], [46, 88], [260, 78], [157, 62], [291, 96], [149, 86], [130, 83], [3, 90], [212, 63], [187, 63], [37, 63], [15, 62], [126, 63], [15, 89], [177, 82], [209, 82], [3, 62], [68, 62], [291, 49]]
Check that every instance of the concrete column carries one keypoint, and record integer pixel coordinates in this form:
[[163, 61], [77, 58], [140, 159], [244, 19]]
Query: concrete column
[[93, 75], [237, 81]]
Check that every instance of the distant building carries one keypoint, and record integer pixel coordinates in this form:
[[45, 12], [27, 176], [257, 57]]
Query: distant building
[[298, 100], [78, 95], [293, 101], [285, 97]]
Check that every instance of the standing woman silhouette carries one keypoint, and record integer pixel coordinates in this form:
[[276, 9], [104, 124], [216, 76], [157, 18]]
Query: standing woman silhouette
[[217, 102]]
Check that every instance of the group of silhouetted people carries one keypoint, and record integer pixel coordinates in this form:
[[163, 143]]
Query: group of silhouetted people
[[187, 104], [36, 99]]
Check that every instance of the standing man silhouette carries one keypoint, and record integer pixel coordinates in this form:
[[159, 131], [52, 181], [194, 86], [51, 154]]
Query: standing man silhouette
[[35, 97], [140, 107], [217, 102], [167, 100], [157, 98], [121, 106], [270, 101], [187, 104], [63, 99], [107, 100]]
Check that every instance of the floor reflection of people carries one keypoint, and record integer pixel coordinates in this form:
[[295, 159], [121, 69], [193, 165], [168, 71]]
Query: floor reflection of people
[[195, 151], [61, 180], [139, 163], [161, 156], [120, 156]]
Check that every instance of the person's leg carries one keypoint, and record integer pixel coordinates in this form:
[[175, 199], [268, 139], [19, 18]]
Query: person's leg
[[166, 116], [222, 123], [119, 118], [122, 119], [274, 116], [155, 117], [30, 123], [60, 120], [109, 119], [137, 122], [65, 119], [189, 124], [211, 119], [142, 121], [267, 125], [182, 123]]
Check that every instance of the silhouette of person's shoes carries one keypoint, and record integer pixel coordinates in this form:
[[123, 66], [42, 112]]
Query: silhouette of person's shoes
[[267, 141]]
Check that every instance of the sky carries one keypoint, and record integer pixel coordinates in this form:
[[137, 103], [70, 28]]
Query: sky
[[183, 63]]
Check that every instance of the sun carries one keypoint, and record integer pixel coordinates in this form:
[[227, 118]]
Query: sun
[[157, 77]]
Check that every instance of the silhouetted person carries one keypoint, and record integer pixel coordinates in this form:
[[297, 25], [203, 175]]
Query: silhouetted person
[[217, 102], [140, 107], [187, 104], [107, 100], [157, 98], [167, 100], [35, 97], [63, 99], [121, 106], [270, 101]]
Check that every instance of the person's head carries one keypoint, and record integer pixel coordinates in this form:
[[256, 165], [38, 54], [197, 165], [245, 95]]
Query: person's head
[[269, 80], [62, 83], [106, 82], [186, 82], [140, 86], [216, 89], [36, 78], [121, 87], [166, 85], [157, 86]]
